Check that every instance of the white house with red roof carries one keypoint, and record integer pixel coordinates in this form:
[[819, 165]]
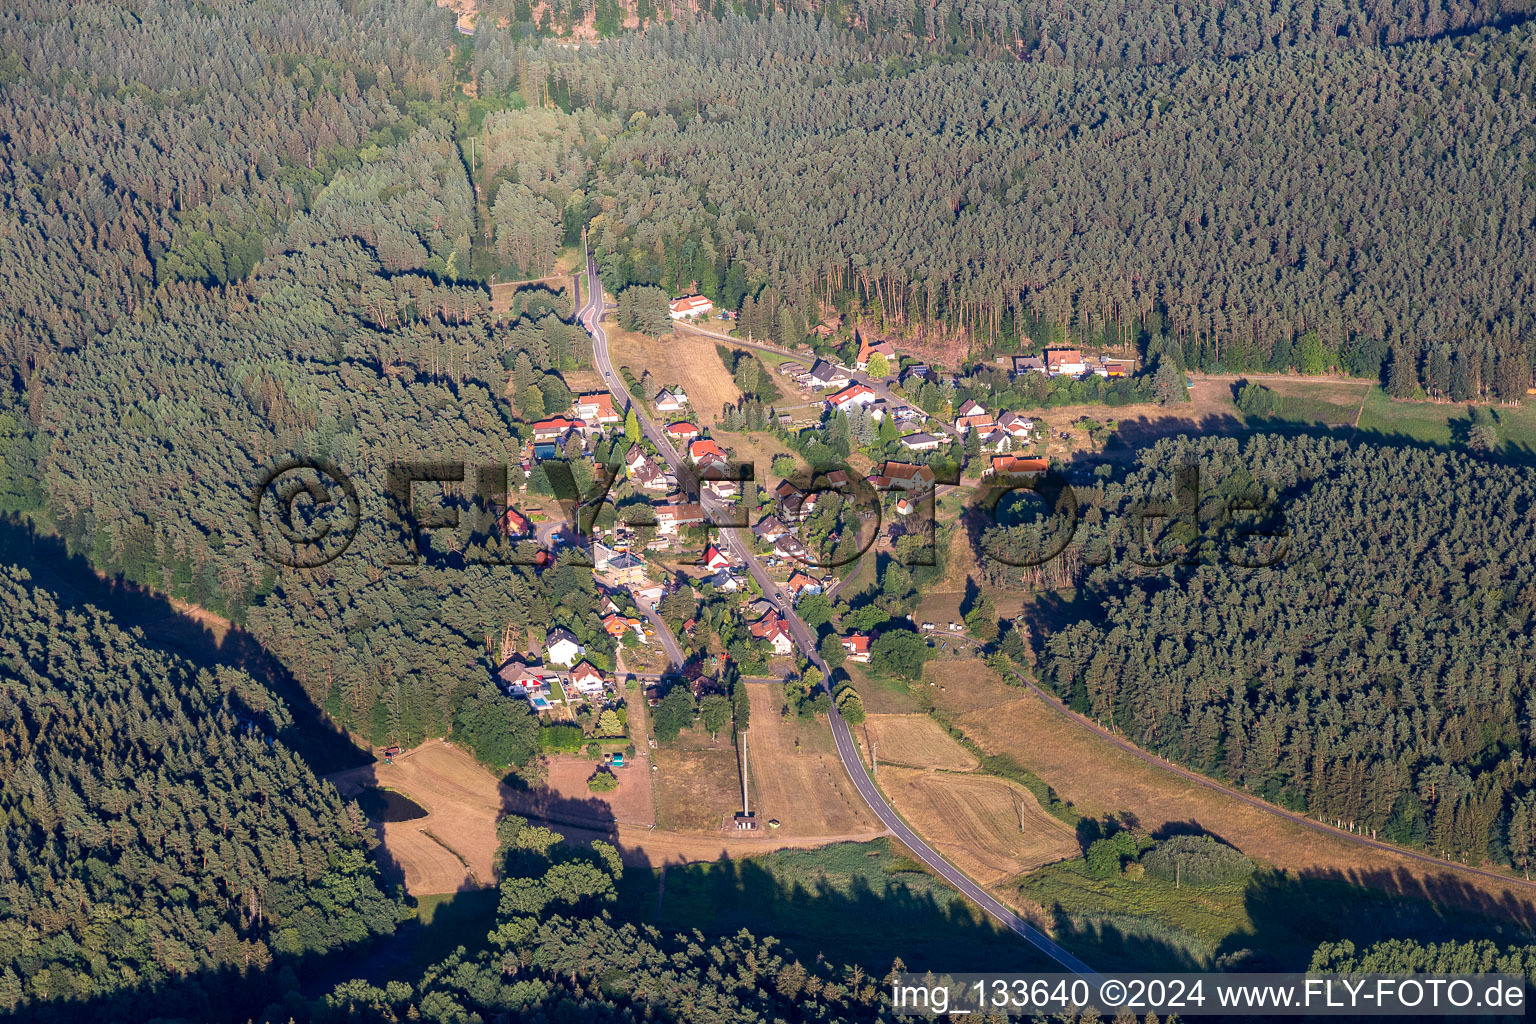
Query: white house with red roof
[[857, 646], [705, 449], [853, 394], [682, 431], [689, 306], [588, 680], [596, 408]]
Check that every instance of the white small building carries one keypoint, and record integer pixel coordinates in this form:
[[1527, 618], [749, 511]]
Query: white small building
[[561, 648]]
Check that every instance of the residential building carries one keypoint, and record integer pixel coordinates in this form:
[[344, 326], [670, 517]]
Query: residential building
[[824, 375], [791, 547], [1019, 427], [644, 473], [1067, 361], [596, 408], [773, 629], [556, 428], [868, 348], [586, 679], [671, 400], [799, 584], [901, 476], [980, 421], [770, 529], [672, 518], [920, 442], [561, 647], [971, 407], [1028, 364], [705, 448], [689, 306], [857, 646], [682, 431], [845, 399], [1015, 465], [715, 559]]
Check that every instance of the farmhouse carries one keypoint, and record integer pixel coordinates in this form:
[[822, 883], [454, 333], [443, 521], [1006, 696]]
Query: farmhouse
[[514, 523], [561, 647], [689, 306]]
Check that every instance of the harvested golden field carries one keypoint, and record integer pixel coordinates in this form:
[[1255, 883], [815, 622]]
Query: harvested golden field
[[988, 827], [1101, 778], [565, 797], [915, 741], [796, 775], [688, 360], [963, 684]]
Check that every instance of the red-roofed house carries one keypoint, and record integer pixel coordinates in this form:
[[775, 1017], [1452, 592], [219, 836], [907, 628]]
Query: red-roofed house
[[854, 393], [714, 558], [689, 306], [704, 448], [596, 408], [772, 628], [1016, 465], [868, 348], [683, 431], [1065, 360], [800, 584], [857, 646], [587, 679], [554, 428]]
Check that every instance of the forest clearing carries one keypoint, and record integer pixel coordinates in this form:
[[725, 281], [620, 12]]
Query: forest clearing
[[688, 360], [1100, 779]]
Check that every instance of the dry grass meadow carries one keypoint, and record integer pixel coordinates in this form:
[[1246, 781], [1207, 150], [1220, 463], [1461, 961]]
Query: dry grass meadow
[[796, 776], [688, 360], [988, 827], [916, 741]]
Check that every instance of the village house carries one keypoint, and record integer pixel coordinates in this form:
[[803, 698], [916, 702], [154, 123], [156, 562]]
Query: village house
[[596, 408], [1119, 368], [689, 306], [971, 407], [682, 431], [671, 400], [769, 529], [644, 473], [556, 428], [857, 646], [868, 348], [1067, 361], [772, 628], [716, 478], [672, 518], [723, 581], [705, 448], [799, 584], [901, 476], [715, 559], [561, 647], [980, 422], [1015, 465], [587, 680], [1027, 364], [791, 547], [920, 442], [1018, 427], [622, 567], [616, 625], [515, 524], [824, 375], [853, 394], [518, 679]]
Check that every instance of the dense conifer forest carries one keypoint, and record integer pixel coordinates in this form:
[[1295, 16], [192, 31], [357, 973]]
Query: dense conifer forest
[[1380, 674], [231, 233], [152, 829]]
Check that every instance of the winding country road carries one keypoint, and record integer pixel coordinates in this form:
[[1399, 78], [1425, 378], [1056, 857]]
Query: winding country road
[[590, 316]]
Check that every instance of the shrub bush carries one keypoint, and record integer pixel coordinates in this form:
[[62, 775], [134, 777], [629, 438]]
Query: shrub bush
[[1196, 860]]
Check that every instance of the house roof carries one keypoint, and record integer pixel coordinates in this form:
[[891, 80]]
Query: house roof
[[558, 634], [703, 447], [971, 408], [601, 402], [681, 513], [906, 471], [770, 526], [1005, 464], [857, 643], [585, 670], [799, 580], [713, 554], [825, 371], [852, 393], [689, 304], [919, 439], [1054, 357], [682, 429]]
